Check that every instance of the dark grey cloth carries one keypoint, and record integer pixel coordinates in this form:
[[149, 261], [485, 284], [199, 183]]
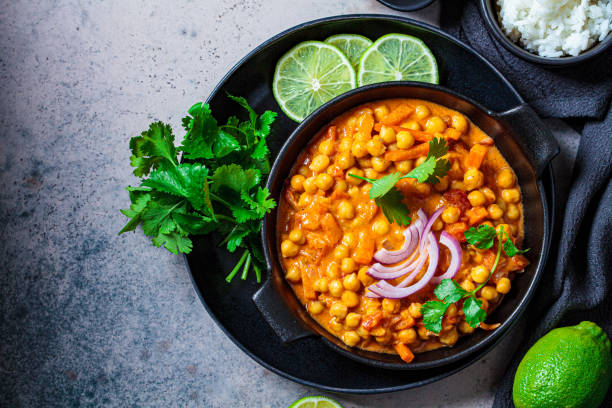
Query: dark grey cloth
[[577, 284]]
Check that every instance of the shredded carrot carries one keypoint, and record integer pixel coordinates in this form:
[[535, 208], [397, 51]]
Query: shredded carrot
[[365, 250], [333, 232], [366, 123], [476, 156], [331, 133], [409, 154], [308, 283], [419, 135], [372, 321], [476, 214], [404, 352], [398, 115], [452, 134], [457, 230]]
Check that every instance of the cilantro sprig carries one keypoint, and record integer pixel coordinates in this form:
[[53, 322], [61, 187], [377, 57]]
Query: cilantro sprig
[[449, 291], [389, 199], [209, 191]]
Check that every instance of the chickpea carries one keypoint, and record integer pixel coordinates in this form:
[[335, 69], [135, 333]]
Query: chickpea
[[351, 338], [387, 134], [459, 123], [479, 274], [505, 178], [351, 282], [404, 166], [464, 327], [503, 286], [359, 149], [423, 333], [340, 252], [326, 147], [379, 332], [407, 336], [345, 160], [488, 292], [405, 140], [363, 333], [349, 298], [363, 276], [375, 147], [309, 185], [341, 185], [289, 249], [435, 124], [293, 274], [419, 161], [348, 265], [477, 257], [489, 194], [303, 170], [495, 211], [511, 195], [507, 229], [451, 215], [380, 164], [476, 198], [335, 325], [333, 270], [346, 210], [349, 239], [391, 305], [365, 162], [353, 320], [381, 112], [437, 225], [305, 200], [380, 227], [467, 285], [421, 112], [315, 307], [412, 124], [372, 174], [451, 311], [321, 285], [473, 179], [335, 288], [415, 310], [352, 180], [457, 185], [297, 236], [345, 145], [513, 212], [324, 181], [442, 185], [296, 182], [450, 337], [319, 163], [338, 310]]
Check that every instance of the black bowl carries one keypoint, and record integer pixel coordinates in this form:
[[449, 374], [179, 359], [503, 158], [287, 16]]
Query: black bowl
[[522, 139], [406, 5], [488, 10]]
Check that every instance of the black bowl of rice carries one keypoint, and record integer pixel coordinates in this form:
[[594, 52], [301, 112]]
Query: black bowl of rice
[[551, 32]]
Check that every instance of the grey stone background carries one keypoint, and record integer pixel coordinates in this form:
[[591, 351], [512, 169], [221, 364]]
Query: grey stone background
[[88, 318]]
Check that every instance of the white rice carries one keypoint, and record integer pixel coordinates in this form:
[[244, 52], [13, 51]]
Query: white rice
[[556, 28]]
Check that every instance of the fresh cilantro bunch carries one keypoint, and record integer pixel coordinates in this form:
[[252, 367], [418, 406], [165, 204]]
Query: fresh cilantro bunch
[[389, 198], [218, 188], [449, 291]]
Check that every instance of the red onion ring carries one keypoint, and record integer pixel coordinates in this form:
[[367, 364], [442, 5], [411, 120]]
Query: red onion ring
[[411, 240], [429, 224], [454, 247]]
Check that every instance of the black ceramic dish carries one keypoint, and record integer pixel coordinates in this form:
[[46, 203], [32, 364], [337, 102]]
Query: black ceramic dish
[[406, 5], [309, 361], [488, 10]]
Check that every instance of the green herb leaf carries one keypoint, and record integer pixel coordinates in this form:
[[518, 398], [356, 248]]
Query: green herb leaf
[[383, 185], [433, 313], [173, 242], [472, 309], [434, 167], [393, 208], [185, 180], [509, 248], [481, 237], [235, 178], [152, 148], [449, 291], [437, 148]]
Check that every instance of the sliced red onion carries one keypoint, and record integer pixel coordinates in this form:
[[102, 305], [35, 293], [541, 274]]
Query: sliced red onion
[[454, 247], [422, 217], [411, 240], [429, 224], [417, 266], [387, 290]]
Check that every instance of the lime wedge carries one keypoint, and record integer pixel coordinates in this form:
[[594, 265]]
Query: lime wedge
[[397, 57], [315, 402], [352, 45], [310, 74]]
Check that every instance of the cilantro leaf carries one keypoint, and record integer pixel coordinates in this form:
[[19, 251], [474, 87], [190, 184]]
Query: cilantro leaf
[[262, 129], [433, 313], [437, 148], [224, 144], [393, 208], [434, 167], [383, 185], [173, 242], [509, 248], [449, 291], [139, 203], [481, 237], [261, 203], [474, 314], [235, 178], [199, 140], [152, 148]]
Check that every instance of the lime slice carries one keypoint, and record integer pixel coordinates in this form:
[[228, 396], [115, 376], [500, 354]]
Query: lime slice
[[352, 45], [310, 74], [397, 57], [315, 402]]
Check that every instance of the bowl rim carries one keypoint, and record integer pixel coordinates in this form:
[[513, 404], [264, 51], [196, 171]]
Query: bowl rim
[[489, 15], [416, 5], [484, 343]]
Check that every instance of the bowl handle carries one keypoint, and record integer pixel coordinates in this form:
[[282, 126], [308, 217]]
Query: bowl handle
[[277, 314], [532, 135]]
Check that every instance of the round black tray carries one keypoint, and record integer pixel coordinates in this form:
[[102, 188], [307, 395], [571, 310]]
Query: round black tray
[[308, 360]]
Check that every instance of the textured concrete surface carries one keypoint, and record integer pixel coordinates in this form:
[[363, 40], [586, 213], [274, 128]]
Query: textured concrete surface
[[88, 318]]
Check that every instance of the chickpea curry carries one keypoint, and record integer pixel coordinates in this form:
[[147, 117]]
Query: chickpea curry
[[330, 231]]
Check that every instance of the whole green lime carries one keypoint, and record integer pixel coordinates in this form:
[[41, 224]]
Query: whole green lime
[[568, 367]]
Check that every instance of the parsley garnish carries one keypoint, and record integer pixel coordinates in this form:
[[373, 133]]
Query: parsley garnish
[[389, 198], [449, 291], [209, 192]]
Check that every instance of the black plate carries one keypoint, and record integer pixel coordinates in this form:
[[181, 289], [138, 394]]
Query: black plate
[[309, 361]]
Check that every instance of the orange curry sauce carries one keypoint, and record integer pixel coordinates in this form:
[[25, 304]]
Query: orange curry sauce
[[329, 229]]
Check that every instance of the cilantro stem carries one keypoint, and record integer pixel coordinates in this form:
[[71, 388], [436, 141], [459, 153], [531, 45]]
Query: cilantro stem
[[257, 272], [369, 180], [220, 200], [234, 271], [225, 217], [245, 270], [499, 247]]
